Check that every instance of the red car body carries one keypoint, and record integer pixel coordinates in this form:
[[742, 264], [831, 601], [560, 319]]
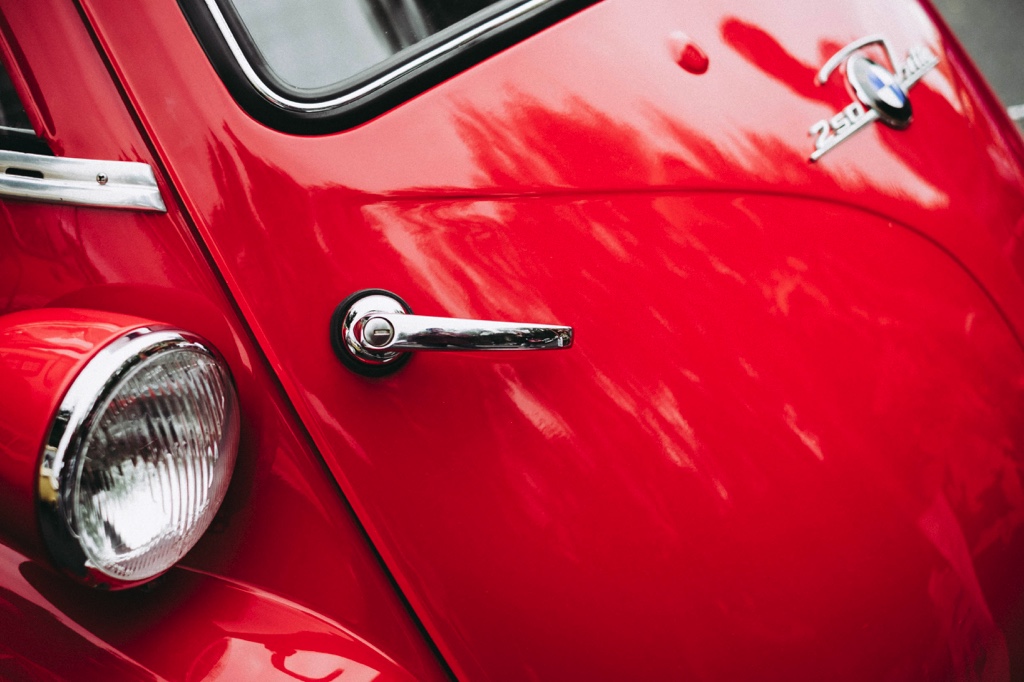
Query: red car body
[[788, 442]]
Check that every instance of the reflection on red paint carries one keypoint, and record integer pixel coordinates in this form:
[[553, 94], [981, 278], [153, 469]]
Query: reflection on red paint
[[190, 626], [232, 658], [778, 445], [763, 50]]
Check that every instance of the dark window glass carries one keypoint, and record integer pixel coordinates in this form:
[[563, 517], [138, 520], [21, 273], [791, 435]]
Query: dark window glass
[[317, 46], [16, 132], [12, 113]]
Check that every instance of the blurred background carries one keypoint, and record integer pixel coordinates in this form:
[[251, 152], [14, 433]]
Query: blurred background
[[992, 31]]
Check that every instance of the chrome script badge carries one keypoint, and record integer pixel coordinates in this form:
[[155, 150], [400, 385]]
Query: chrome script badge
[[880, 93]]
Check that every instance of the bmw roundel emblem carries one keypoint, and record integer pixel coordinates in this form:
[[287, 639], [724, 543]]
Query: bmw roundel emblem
[[878, 89], [880, 94]]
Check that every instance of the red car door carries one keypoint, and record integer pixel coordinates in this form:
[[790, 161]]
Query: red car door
[[787, 441]]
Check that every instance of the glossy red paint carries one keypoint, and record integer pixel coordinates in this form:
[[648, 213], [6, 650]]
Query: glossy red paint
[[284, 542], [788, 442], [216, 629]]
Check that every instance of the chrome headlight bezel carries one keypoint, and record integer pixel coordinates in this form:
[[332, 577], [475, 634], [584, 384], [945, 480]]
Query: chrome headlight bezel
[[62, 458]]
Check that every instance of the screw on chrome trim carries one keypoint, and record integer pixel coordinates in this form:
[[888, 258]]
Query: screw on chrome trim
[[101, 178]]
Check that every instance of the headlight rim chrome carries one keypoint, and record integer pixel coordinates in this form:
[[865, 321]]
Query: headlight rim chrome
[[70, 426]]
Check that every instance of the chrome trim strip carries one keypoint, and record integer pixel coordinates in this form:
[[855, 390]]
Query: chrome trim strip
[[838, 57], [85, 182], [20, 131], [311, 107]]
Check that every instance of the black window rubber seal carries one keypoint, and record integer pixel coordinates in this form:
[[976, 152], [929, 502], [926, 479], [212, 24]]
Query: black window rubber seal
[[382, 99], [24, 141]]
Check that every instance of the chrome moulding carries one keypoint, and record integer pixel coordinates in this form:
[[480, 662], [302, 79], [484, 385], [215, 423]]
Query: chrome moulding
[[82, 182], [369, 88]]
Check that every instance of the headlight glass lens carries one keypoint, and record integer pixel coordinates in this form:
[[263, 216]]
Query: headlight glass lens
[[151, 461]]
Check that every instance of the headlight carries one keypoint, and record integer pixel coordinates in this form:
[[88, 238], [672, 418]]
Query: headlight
[[138, 457]]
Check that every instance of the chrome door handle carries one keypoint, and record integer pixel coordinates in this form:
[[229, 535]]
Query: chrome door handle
[[382, 332], [373, 332]]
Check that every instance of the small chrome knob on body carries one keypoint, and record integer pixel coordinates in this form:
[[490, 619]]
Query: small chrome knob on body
[[374, 331]]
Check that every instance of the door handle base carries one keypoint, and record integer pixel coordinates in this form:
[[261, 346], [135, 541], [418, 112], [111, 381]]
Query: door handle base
[[346, 338]]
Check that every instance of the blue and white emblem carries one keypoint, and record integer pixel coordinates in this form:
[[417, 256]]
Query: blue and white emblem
[[880, 94]]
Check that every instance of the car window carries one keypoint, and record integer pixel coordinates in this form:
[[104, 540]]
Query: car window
[[16, 132], [312, 66], [319, 44]]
